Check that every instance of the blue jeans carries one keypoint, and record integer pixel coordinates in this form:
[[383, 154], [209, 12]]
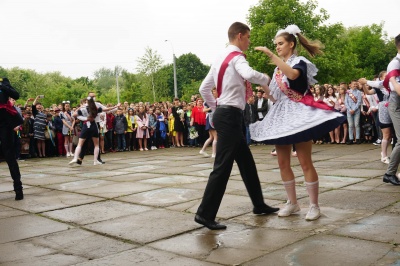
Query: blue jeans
[[248, 139], [354, 121], [121, 141]]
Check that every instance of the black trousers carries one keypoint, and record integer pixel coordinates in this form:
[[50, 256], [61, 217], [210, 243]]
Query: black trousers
[[231, 146], [8, 149]]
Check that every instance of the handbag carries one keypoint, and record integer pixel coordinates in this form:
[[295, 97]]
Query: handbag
[[383, 113], [49, 133]]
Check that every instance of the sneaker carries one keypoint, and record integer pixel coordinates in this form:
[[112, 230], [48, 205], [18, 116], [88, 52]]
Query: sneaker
[[385, 160], [155, 148], [213, 155], [68, 154], [73, 161], [141, 149], [289, 209], [294, 153], [72, 155], [146, 149], [205, 154], [377, 142], [97, 163], [313, 213], [274, 153]]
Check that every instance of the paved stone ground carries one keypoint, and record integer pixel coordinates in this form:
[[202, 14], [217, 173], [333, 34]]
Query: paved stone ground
[[138, 209]]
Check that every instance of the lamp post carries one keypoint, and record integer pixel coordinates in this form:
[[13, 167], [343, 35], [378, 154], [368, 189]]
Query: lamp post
[[174, 64]]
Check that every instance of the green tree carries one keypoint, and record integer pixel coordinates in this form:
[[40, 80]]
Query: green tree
[[148, 65]]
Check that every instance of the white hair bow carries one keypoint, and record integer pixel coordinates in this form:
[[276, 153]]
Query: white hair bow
[[291, 29]]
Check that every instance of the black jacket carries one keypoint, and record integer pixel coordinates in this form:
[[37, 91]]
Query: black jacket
[[250, 114], [264, 107], [7, 91]]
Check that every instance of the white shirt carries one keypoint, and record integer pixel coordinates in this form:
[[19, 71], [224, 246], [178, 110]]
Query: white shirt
[[233, 86], [394, 64], [259, 105]]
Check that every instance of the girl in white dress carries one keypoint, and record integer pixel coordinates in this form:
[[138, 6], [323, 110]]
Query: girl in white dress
[[295, 118]]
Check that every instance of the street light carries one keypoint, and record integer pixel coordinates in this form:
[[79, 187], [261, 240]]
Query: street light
[[174, 62]]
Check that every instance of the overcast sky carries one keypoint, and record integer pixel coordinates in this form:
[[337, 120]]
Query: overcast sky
[[77, 37]]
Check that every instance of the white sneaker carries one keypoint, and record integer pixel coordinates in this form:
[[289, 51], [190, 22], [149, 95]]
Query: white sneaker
[[313, 213], [274, 153], [294, 153], [385, 160], [377, 142], [97, 163], [73, 161], [68, 154], [213, 155], [205, 154], [72, 155], [288, 209]]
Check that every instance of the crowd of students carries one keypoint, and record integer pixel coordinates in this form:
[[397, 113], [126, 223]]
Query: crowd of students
[[54, 131]]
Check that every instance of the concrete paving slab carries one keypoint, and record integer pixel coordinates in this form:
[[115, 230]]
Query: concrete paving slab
[[357, 200], [326, 250], [330, 219], [6, 212], [147, 227], [131, 177], [26, 226], [118, 189], [350, 197], [233, 246], [377, 227], [40, 179], [146, 257], [48, 260], [81, 184], [365, 173], [367, 185], [96, 212], [50, 200], [173, 180], [143, 169], [28, 190], [163, 197]]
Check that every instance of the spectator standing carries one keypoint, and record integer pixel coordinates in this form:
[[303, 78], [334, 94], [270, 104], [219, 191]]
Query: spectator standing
[[68, 127], [353, 103], [120, 127], [250, 116], [142, 132], [198, 120], [58, 124], [39, 127]]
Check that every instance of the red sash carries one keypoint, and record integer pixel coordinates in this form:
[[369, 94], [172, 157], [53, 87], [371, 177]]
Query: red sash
[[393, 73], [225, 63], [295, 96], [9, 108]]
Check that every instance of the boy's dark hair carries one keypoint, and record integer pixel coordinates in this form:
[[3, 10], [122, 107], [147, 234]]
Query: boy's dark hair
[[397, 41], [236, 28]]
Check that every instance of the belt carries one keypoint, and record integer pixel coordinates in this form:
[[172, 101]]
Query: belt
[[230, 107]]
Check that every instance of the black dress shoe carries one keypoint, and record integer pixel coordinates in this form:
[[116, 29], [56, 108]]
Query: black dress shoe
[[212, 225], [19, 195], [264, 210], [391, 179]]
